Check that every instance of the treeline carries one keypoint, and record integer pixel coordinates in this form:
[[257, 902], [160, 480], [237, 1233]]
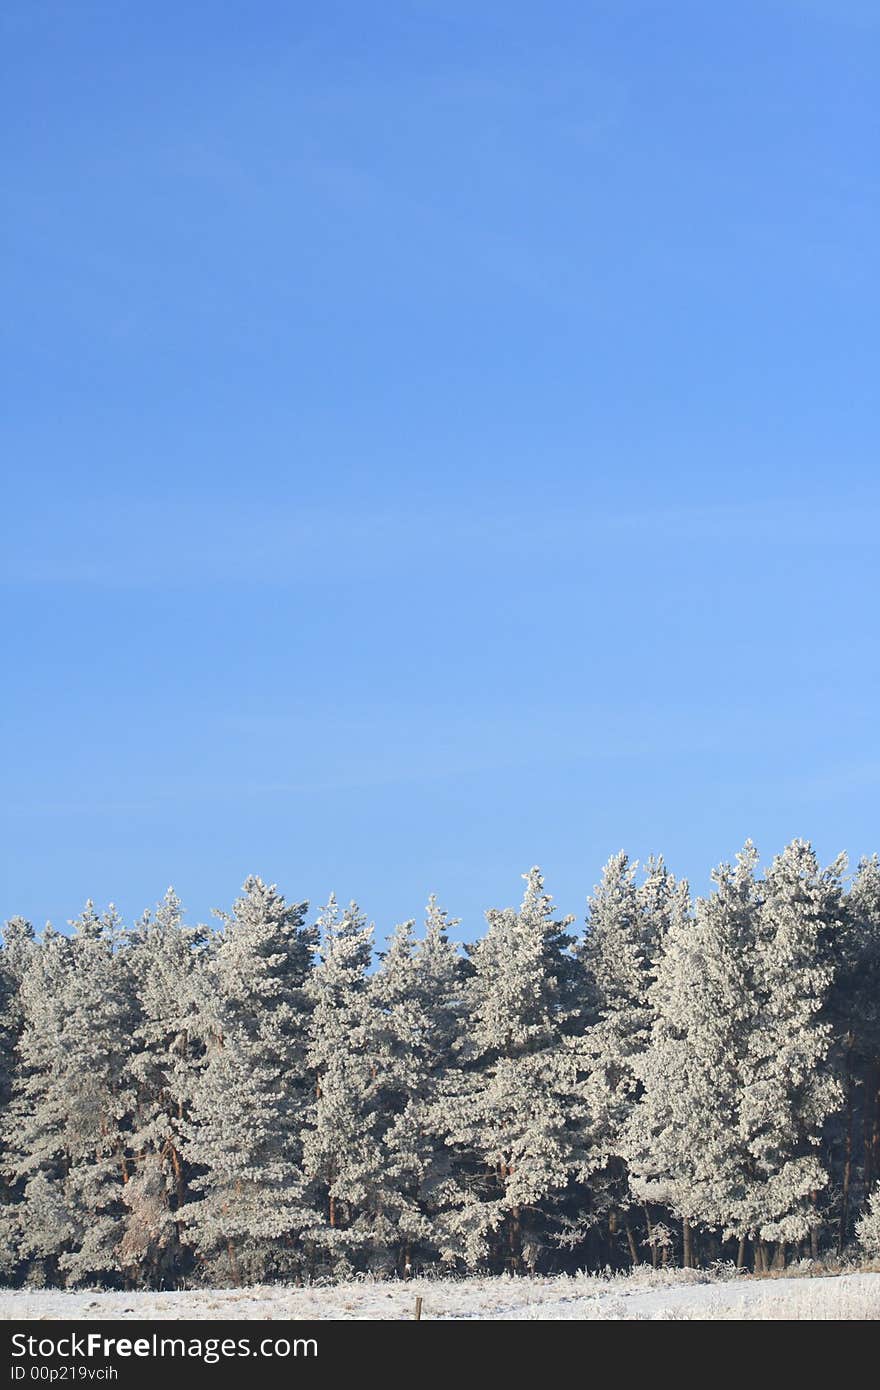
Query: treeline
[[679, 1082]]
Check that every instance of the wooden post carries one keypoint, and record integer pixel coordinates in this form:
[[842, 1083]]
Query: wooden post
[[418, 1312]]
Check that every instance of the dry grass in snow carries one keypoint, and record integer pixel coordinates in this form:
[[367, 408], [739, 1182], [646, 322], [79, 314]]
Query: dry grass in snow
[[644, 1295]]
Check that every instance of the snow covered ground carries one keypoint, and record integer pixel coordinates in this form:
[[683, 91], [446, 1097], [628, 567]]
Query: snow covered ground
[[646, 1295]]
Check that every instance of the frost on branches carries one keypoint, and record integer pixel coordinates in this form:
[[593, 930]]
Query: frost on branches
[[679, 1082], [251, 1093]]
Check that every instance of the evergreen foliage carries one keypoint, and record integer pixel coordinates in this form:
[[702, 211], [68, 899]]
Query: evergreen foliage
[[271, 1101]]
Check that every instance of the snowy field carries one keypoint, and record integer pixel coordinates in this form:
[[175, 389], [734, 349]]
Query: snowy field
[[644, 1296]]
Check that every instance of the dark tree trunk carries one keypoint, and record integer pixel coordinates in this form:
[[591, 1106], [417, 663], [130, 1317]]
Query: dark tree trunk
[[843, 1229], [651, 1241], [631, 1241], [687, 1244], [515, 1238], [875, 1129]]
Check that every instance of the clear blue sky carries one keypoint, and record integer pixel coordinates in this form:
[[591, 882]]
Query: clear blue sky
[[439, 437]]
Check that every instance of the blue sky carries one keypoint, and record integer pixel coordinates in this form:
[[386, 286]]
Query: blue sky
[[439, 438]]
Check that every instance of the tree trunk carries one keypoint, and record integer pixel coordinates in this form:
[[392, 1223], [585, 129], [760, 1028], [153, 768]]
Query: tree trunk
[[233, 1262], [612, 1232], [651, 1241], [515, 1239], [814, 1229], [843, 1229], [177, 1168], [631, 1241], [875, 1132], [741, 1253], [687, 1244]]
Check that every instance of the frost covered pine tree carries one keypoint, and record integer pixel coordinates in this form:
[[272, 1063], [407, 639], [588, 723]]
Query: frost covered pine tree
[[161, 958], [250, 1098], [342, 1150], [855, 1015], [790, 1088], [65, 1124], [737, 1081], [417, 994], [18, 947], [172, 1100], [625, 925], [512, 1102], [17, 950], [682, 1137], [35, 1158]]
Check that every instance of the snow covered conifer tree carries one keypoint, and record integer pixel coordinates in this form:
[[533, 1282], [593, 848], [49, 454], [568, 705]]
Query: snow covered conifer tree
[[65, 1124], [161, 960], [737, 1081], [417, 996], [855, 1014], [342, 1151], [33, 1137], [661, 897], [511, 1102], [250, 1099], [791, 1090], [682, 1137], [18, 948], [625, 925]]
